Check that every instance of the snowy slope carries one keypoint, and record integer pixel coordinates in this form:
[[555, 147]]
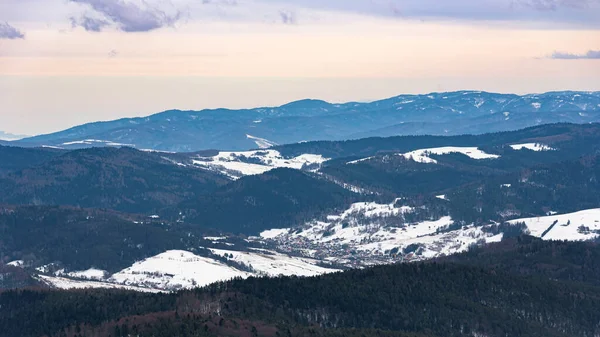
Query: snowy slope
[[238, 164], [90, 274], [422, 155], [582, 225], [67, 283], [176, 269], [532, 147], [267, 263]]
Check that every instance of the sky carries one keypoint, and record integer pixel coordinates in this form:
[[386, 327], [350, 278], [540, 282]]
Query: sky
[[68, 62]]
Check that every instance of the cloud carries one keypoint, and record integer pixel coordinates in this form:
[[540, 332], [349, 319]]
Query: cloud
[[287, 17], [553, 12], [127, 16], [552, 5], [590, 55], [88, 23], [9, 32]]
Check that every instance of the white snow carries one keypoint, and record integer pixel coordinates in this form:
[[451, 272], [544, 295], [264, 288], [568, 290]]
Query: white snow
[[532, 147], [66, 283], [422, 155], [96, 141], [267, 263], [215, 238], [479, 102], [238, 164], [271, 233], [359, 160], [90, 274], [16, 263], [566, 226], [261, 142], [176, 269]]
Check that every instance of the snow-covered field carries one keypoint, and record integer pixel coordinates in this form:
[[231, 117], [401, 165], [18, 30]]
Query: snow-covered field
[[532, 147], [577, 226], [238, 164], [66, 283], [90, 274], [176, 269], [267, 263], [422, 155]]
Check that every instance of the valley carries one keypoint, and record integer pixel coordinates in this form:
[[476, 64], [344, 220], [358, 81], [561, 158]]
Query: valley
[[301, 209]]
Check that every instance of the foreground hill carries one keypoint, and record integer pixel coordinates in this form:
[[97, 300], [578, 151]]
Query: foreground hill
[[431, 299], [451, 113]]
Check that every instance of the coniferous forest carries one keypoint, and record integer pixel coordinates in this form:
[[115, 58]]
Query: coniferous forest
[[548, 291]]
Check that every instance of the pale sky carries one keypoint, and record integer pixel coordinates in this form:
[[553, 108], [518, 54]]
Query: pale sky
[[67, 62]]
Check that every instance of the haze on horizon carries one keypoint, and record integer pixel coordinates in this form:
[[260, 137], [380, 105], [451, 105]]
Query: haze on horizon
[[64, 63]]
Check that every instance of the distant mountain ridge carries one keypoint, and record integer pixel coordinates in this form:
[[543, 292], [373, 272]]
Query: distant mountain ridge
[[9, 136], [451, 113]]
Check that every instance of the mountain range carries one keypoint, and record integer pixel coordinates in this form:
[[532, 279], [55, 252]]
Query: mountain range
[[451, 113], [490, 234]]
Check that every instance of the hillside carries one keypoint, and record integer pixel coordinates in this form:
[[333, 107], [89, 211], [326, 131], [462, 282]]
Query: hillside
[[248, 213], [17, 158], [451, 113], [77, 239], [118, 178], [276, 198], [431, 299], [530, 256]]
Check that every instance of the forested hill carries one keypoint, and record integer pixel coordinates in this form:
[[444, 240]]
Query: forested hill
[[574, 137], [421, 299]]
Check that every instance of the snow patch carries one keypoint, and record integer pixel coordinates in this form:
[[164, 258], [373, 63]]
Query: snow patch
[[16, 263], [261, 142], [422, 156], [95, 141], [271, 233], [268, 263], [66, 283], [238, 164], [532, 147], [577, 226], [90, 274]]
